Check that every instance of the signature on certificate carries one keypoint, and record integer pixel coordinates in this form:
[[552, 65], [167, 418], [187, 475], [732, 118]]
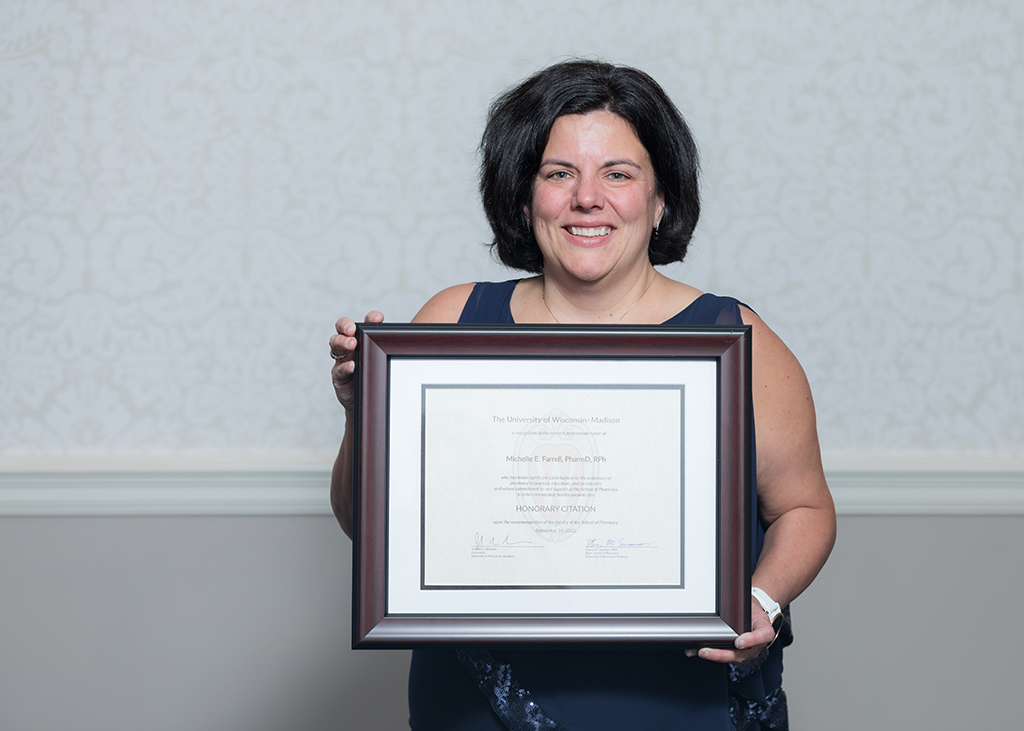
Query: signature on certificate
[[482, 541], [618, 543]]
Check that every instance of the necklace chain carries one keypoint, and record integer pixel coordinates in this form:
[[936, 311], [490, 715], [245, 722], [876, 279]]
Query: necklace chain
[[544, 298]]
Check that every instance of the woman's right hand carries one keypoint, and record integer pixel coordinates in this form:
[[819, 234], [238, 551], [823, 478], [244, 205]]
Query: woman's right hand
[[343, 346]]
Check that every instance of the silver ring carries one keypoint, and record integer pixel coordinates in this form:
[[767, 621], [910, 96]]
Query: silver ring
[[336, 357]]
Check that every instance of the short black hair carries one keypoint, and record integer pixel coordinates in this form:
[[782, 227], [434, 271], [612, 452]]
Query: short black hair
[[518, 126]]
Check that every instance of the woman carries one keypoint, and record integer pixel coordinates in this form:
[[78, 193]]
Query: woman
[[589, 180]]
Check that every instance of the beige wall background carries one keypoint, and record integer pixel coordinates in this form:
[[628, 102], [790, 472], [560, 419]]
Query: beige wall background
[[191, 193]]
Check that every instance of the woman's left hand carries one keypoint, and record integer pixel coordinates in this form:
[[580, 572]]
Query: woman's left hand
[[748, 645]]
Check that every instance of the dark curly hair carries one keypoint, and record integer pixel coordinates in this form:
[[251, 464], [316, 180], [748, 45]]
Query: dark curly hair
[[519, 123]]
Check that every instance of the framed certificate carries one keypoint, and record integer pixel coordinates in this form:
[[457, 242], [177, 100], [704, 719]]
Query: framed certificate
[[535, 483]]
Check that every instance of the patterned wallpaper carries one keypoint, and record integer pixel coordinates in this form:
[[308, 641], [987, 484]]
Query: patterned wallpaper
[[192, 192]]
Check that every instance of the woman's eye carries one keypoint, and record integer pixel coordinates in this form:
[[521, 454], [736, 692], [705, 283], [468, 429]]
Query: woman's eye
[[618, 176], [559, 174]]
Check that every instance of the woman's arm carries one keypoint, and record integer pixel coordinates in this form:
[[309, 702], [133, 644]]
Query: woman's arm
[[444, 307], [793, 499]]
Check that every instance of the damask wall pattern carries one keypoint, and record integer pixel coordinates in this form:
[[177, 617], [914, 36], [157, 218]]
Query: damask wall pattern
[[192, 192]]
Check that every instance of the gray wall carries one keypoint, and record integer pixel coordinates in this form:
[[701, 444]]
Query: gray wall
[[217, 624]]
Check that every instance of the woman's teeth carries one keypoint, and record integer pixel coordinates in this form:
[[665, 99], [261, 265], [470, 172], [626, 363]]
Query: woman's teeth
[[590, 232]]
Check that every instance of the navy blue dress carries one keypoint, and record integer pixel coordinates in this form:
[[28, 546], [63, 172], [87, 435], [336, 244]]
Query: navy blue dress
[[602, 687]]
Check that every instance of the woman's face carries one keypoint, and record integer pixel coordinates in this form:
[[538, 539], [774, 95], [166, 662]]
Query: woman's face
[[595, 200]]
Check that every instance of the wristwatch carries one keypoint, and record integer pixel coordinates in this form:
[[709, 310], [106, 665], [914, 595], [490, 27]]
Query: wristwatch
[[771, 608]]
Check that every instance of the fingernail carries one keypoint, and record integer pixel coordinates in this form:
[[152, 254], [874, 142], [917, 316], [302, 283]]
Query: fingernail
[[704, 654], [740, 644]]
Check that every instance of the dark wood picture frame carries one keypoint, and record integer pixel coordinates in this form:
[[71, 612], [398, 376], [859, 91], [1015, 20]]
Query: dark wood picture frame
[[373, 626]]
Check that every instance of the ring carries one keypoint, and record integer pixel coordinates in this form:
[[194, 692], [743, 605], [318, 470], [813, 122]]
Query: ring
[[336, 357]]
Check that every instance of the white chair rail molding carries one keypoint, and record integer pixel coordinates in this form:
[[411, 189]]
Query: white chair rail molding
[[238, 483]]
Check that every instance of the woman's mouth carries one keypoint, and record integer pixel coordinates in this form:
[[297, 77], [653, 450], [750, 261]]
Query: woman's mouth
[[589, 231]]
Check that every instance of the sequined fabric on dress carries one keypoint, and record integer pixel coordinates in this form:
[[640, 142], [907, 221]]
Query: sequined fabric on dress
[[512, 703]]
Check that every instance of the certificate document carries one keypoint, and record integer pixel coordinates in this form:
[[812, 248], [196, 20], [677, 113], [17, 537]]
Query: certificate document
[[583, 484], [552, 486]]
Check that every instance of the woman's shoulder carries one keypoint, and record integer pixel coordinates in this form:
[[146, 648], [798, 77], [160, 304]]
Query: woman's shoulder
[[446, 306]]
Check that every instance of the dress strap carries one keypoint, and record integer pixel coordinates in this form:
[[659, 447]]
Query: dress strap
[[490, 302], [710, 309]]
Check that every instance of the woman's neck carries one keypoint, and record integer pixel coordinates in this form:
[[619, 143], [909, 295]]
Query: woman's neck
[[568, 300]]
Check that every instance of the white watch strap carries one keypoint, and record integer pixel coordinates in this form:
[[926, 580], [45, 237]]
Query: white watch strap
[[769, 605]]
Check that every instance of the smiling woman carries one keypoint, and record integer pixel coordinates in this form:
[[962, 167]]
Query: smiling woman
[[519, 128], [589, 180], [595, 204]]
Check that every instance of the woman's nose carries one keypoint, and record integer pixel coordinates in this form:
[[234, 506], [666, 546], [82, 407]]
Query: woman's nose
[[588, 195]]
